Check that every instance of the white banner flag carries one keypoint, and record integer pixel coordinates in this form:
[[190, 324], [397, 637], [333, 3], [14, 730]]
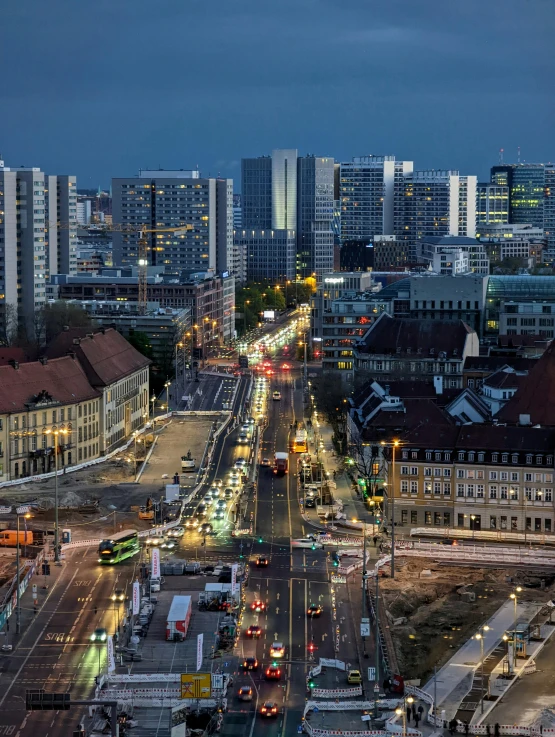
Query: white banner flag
[[200, 639], [155, 563], [234, 568], [111, 657], [23, 510], [5, 510], [136, 597]]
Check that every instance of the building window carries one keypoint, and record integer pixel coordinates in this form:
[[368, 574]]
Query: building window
[[437, 519], [414, 487], [480, 457], [427, 487], [437, 487], [414, 454], [414, 470], [413, 517], [504, 476], [493, 475], [471, 456], [480, 491], [505, 458], [514, 458], [494, 457], [503, 492], [539, 460], [447, 456], [447, 519], [460, 520], [404, 487], [446, 489], [513, 491], [460, 473], [438, 456], [405, 455], [493, 492], [493, 523], [461, 455], [404, 516], [470, 490], [427, 472], [548, 525], [404, 470], [427, 517], [437, 471], [460, 489], [428, 455], [515, 476]]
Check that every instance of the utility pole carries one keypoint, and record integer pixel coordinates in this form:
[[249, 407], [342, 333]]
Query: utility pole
[[364, 653], [377, 666]]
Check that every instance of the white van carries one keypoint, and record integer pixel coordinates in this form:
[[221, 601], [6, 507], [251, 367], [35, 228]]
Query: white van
[[306, 542]]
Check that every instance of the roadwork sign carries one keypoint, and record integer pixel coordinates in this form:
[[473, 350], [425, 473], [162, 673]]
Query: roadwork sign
[[196, 686]]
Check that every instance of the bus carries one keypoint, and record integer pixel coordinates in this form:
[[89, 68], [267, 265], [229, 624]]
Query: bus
[[119, 547], [301, 441]]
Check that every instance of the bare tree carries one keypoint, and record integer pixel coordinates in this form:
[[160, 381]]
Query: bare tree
[[367, 461], [8, 324]]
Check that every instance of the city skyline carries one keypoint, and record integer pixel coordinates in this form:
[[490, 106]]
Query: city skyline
[[419, 83]]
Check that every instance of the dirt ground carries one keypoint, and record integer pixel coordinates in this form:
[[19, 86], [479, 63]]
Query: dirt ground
[[429, 618], [100, 498]]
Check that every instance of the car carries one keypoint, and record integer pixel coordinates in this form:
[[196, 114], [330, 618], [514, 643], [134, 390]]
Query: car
[[277, 650], [273, 673], [276, 396], [354, 677], [154, 540], [310, 502], [243, 438], [168, 544], [218, 513], [285, 367], [253, 631], [200, 511], [266, 462], [314, 610], [229, 494], [191, 522], [221, 503], [269, 709], [245, 693], [258, 606], [218, 483], [261, 561], [250, 664], [240, 463], [208, 501], [215, 492], [176, 532], [205, 528], [118, 595], [99, 635]]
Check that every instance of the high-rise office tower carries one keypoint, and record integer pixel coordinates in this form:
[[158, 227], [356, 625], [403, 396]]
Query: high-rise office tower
[[371, 190], [60, 201], [526, 184], [492, 204], [169, 199], [315, 214], [23, 258], [284, 196], [437, 203], [549, 211]]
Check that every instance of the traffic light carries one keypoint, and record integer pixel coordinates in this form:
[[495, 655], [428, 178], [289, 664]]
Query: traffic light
[[311, 647], [259, 539], [311, 684], [313, 546]]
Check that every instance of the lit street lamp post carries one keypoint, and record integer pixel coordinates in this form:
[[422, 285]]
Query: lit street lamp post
[[514, 597], [403, 712], [18, 596], [391, 490], [55, 432], [480, 636]]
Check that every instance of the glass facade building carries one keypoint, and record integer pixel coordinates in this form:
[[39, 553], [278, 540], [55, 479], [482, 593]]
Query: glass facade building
[[492, 204]]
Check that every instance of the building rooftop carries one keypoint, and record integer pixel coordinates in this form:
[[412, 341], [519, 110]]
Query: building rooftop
[[493, 363], [106, 356], [418, 338], [505, 378], [535, 399], [521, 287], [61, 380]]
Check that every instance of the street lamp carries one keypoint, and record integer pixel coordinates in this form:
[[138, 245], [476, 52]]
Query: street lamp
[[394, 444], [177, 345], [480, 636], [153, 400], [472, 519], [18, 596], [403, 712], [55, 432], [514, 597]]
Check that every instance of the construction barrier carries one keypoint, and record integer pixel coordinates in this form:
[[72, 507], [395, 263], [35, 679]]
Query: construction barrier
[[331, 693], [332, 663], [530, 538]]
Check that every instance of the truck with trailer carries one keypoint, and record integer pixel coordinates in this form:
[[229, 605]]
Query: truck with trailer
[[178, 619], [281, 464]]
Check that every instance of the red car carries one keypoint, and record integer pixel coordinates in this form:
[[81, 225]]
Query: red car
[[269, 709], [261, 561], [258, 606], [273, 673], [254, 631]]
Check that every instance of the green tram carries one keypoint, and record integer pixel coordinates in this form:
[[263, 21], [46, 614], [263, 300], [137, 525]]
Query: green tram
[[122, 545]]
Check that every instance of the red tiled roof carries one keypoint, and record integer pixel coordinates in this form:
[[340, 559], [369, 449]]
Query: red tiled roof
[[11, 354], [62, 378], [106, 356], [536, 396]]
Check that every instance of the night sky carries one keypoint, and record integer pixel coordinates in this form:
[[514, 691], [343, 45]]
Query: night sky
[[101, 89]]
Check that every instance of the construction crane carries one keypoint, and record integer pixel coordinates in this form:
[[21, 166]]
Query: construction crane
[[142, 261]]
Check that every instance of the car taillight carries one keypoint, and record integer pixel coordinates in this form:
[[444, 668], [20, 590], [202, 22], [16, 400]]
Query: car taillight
[[268, 672], [274, 709]]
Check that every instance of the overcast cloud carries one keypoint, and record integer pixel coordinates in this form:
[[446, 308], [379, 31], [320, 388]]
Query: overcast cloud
[[102, 89]]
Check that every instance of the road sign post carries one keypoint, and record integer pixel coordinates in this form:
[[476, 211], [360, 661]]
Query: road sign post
[[196, 685]]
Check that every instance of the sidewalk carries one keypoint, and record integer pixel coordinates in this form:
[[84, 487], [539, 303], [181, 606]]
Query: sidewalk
[[454, 680]]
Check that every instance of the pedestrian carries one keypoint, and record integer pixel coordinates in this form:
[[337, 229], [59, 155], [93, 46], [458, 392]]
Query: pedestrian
[[420, 711], [452, 726], [496, 729], [416, 720], [466, 728], [409, 712], [375, 540], [488, 730]]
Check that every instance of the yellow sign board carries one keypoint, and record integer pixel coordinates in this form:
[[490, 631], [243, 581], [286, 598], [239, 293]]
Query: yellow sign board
[[196, 685]]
